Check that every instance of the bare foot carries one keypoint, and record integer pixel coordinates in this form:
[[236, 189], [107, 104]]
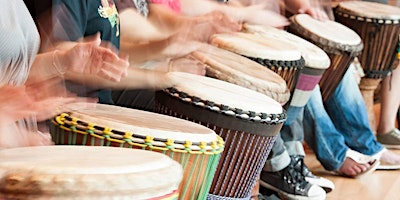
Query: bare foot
[[352, 169]]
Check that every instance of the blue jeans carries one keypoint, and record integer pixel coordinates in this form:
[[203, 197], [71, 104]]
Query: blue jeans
[[330, 129], [341, 124]]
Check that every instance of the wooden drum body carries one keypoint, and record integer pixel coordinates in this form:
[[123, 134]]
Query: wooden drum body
[[195, 147], [340, 43], [316, 61], [379, 27], [81, 172], [247, 120]]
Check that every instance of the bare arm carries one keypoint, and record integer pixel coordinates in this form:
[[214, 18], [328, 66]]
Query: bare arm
[[136, 79]]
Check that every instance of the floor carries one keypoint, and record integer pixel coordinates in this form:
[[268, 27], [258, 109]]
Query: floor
[[381, 185]]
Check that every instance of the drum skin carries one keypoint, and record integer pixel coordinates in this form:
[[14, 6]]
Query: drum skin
[[195, 147], [248, 122]]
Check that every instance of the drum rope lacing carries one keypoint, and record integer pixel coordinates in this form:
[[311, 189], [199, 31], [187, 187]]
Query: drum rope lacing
[[72, 124], [329, 45], [367, 19], [371, 73], [224, 109], [278, 63]]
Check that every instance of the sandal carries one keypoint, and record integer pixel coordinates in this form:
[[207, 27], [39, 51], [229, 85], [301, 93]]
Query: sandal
[[355, 158]]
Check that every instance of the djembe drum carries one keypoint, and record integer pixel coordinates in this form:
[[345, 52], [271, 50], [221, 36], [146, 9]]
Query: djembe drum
[[316, 61], [81, 172], [248, 121], [279, 56], [341, 48], [231, 67], [195, 147], [379, 27]]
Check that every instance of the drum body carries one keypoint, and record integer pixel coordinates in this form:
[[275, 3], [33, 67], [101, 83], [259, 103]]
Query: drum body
[[195, 147], [231, 67], [341, 48], [72, 172], [278, 56], [379, 27], [316, 61], [238, 115]]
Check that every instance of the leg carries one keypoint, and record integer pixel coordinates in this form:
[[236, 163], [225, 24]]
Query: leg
[[347, 110], [387, 133], [321, 134], [281, 175], [328, 143]]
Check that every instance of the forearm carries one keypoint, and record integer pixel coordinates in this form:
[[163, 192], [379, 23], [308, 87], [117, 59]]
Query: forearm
[[165, 20], [45, 66], [135, 28], [136, 79], [140, 53], [201, 7]]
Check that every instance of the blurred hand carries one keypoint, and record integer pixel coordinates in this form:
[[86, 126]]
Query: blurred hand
[[42, 100], [202, 27], [187, 64], [258, 15], [89, 57], [317, 13]]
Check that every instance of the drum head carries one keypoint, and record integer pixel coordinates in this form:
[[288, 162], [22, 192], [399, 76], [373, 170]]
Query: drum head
[[224, 93], [256, 47], [370, 10], [325, 33], [143, 123], [75, 171], [314, 56], [236, 69]]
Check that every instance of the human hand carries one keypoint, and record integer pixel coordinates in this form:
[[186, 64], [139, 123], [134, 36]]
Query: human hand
[[317, 13], [200, 28], [179, 46], [89, 57], [259, 15], [187, 64], [42, 100]]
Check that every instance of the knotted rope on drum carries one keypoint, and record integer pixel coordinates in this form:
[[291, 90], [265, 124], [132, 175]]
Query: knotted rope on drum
[[71, 124]]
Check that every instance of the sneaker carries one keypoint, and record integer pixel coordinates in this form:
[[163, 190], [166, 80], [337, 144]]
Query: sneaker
[[390, 139], [290, 184], [326, 184]]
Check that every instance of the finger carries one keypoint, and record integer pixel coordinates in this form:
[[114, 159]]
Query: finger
[[109, 76]]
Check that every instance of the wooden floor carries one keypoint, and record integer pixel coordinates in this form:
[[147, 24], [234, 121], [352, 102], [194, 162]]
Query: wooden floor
[[381, 185]]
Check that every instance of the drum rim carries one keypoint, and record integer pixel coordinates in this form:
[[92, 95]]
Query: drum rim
[[76, 125], [345, 12], [309, 60], [325, 44], [226, 110]]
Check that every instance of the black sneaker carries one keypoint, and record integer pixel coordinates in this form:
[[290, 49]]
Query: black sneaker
[[326, 184], [291, 184]]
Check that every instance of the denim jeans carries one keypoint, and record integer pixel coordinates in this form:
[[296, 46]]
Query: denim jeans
[[341, 124], [330, 129], [288, 142]]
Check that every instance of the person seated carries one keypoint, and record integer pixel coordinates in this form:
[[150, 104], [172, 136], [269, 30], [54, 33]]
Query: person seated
[[31, 83], [387, 133]]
